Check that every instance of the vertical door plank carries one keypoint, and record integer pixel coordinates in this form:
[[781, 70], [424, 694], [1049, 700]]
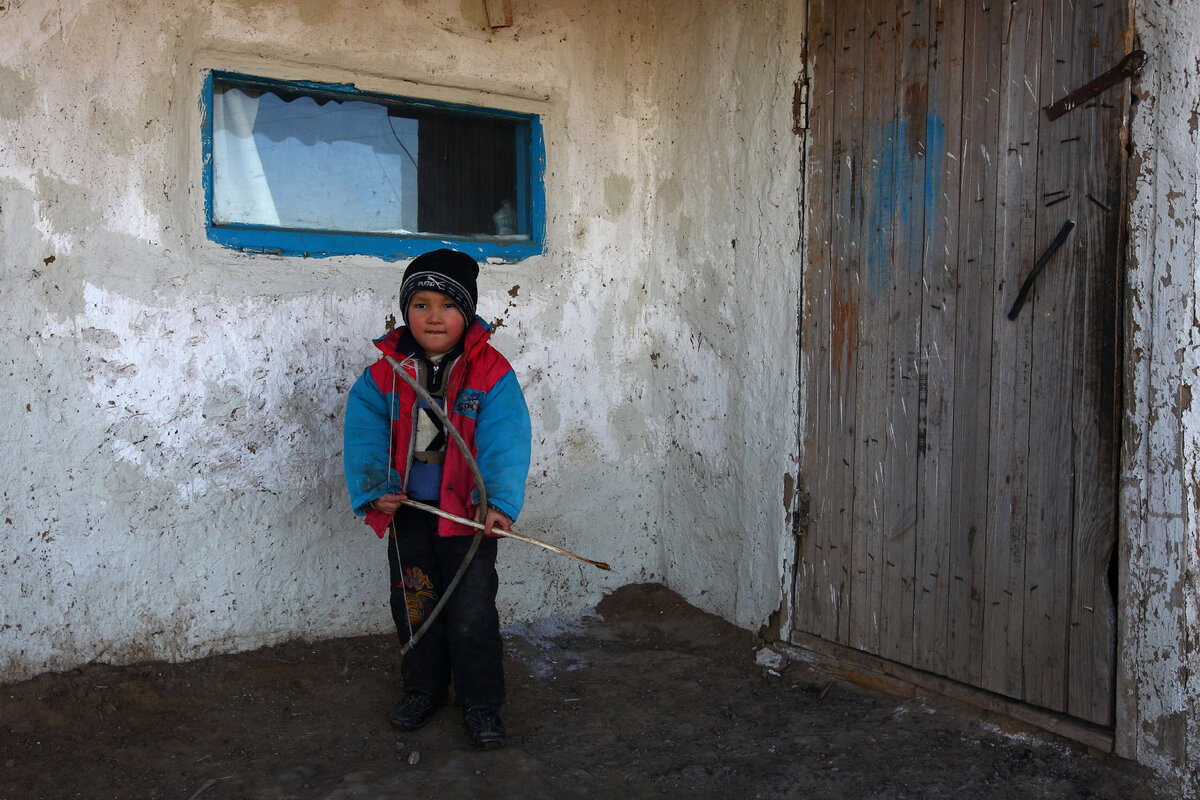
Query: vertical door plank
[[1052, 312], [981, 157], [1092, 646], [844, 284], [873, 264], [848, 195], [936, 386], [823, 338], [1016, 249], [910, 21]]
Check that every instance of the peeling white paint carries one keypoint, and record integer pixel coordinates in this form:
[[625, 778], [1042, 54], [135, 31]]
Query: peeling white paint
[[1159, 660]]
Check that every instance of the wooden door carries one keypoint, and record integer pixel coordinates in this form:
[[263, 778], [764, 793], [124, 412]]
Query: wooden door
[[962, 466]]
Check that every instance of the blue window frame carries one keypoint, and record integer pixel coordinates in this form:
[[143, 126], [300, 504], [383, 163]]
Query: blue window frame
[[315, 169]]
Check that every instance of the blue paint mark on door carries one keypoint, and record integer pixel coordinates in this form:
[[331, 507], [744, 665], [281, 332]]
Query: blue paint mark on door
[[892, 207]]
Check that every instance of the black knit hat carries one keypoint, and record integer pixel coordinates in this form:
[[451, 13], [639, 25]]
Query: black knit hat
[[447, 271]]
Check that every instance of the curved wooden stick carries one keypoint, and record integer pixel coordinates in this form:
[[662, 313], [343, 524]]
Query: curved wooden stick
[[499, 532], [461, 444]]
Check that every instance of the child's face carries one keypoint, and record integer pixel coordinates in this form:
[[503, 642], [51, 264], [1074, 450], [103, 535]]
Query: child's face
[[435, 322]]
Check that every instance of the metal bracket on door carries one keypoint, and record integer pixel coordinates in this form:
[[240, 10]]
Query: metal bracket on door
[[1130, 65], [802, 518], [1063, 233]]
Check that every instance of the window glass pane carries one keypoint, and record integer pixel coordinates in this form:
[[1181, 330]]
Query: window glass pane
[[343, 164]]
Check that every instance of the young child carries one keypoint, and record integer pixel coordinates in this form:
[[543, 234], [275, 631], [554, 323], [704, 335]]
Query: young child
[[396, 448]]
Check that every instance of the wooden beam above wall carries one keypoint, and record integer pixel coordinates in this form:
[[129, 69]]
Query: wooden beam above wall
[[499, 13]]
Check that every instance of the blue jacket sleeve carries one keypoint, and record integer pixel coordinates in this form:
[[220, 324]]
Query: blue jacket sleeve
[[365, 445], [503, 442]]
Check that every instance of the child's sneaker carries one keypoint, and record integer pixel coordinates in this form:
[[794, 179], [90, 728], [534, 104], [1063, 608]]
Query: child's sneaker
[[484, 727], [414, 710]]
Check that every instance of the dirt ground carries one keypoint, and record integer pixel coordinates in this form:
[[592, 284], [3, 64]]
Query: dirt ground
[[648, 697]]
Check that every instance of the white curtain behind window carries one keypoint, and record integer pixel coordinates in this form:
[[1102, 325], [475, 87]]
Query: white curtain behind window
[[240, 189]]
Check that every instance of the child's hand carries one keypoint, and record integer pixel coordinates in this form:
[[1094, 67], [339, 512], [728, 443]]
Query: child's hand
[[388, 503], [496, 519]]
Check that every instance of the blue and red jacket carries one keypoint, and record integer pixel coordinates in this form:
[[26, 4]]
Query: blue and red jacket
[[483, 401]]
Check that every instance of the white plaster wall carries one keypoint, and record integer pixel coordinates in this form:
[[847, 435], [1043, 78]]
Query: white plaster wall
[[174, 480], [724, 228], [1159, 651]]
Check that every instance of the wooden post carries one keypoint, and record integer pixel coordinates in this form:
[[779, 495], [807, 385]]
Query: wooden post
[[499, 13]]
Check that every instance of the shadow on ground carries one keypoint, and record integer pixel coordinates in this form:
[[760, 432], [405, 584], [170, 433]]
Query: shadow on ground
[[648, 697]]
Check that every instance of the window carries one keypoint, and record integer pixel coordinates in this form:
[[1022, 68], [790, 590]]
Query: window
[[299, 168]]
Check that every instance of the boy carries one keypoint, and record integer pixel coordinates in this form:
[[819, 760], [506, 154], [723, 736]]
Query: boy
[[396, 448]]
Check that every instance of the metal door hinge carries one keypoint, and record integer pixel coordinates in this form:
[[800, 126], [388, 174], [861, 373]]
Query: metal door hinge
[[800, 106], [800, 518]]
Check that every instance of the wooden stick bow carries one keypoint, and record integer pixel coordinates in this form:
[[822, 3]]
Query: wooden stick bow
[[455, 437], [519, 537]]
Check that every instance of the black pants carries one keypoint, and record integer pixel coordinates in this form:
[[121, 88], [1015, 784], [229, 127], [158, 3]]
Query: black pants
[[463, 644]]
